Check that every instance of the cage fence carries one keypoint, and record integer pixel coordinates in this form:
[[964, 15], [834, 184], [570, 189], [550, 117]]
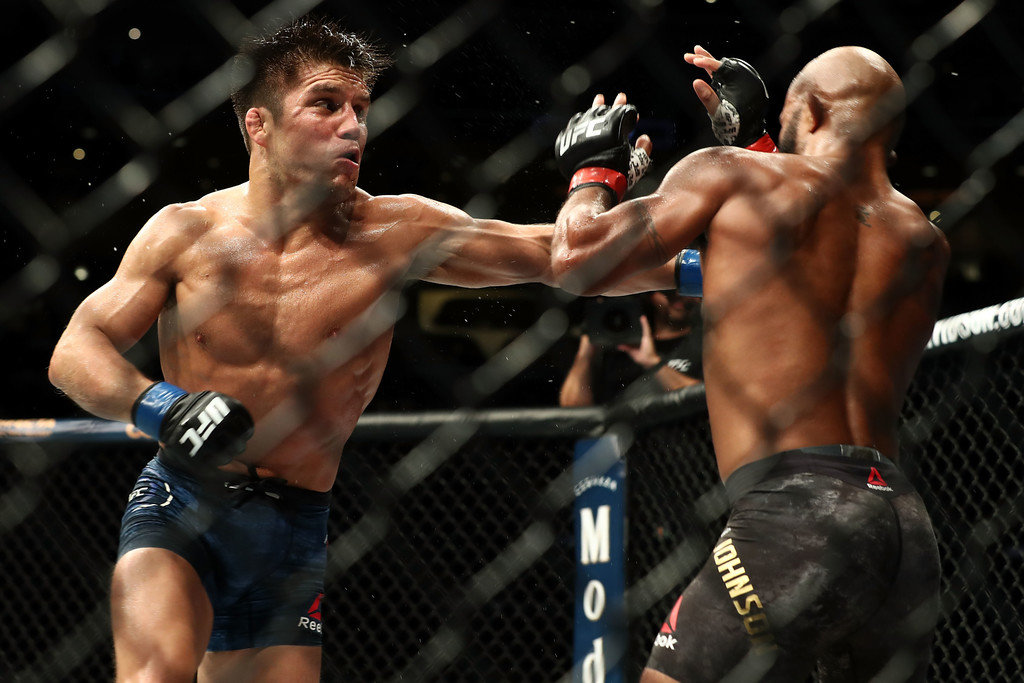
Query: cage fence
[[451, 553], [411, 607]]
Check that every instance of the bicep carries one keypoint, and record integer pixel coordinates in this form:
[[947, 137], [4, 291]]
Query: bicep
[[679, 211], [606, 250], [124, 308]]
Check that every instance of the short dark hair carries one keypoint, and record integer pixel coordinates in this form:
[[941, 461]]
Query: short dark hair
[[266, 64]]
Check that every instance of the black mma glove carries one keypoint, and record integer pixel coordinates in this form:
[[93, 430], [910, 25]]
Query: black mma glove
[[743, 99], [594, 149], [205, 428]]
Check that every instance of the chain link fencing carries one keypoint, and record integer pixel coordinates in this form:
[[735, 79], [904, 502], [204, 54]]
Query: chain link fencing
[[451, 545], [469, 573]]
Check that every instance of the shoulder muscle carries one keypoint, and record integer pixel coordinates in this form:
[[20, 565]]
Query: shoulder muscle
[[165, 237]]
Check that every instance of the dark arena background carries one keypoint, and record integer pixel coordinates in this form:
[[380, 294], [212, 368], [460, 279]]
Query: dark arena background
[[452, 550]]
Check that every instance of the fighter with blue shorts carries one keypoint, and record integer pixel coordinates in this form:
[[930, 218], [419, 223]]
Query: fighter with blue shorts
[[275, 302], [258, 546]]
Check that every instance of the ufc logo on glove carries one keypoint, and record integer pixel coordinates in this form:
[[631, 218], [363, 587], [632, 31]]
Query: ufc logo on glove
[[213, 414], [585, 129], [182, 420]]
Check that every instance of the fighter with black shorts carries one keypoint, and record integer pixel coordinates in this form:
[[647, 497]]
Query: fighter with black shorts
[[821, 284], [810, 530]]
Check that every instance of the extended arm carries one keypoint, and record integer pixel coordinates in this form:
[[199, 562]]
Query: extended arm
[[596, 248], [448, 246], [603, 248], [487, 253]]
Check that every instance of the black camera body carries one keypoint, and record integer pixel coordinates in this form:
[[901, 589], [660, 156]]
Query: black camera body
[[610, 321]]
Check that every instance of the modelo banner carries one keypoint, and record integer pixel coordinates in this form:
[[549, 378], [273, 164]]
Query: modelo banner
[[599, 480]]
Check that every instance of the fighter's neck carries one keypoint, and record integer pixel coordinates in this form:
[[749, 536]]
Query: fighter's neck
[[855, 162], [280, 210]]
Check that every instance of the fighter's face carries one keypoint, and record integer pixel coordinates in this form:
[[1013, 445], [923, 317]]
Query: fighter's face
[[320, 132]]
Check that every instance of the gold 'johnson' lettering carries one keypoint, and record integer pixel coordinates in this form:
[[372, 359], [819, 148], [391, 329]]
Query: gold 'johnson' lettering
[[737, 582], [749, 603]]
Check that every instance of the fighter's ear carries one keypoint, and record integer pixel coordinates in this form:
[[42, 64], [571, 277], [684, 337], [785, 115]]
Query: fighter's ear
[[817, 111], [257, 121]]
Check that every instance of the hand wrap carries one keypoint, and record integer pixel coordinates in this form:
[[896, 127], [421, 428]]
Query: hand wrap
[[689, 278], [743, 100], [207, 427], [594, 149]]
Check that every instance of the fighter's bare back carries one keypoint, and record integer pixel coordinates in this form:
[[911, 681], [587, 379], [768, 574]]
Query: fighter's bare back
[[815, 325], [819, 292]]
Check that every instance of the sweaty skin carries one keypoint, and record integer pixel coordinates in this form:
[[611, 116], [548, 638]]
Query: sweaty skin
[[821, 281], [280, 291]]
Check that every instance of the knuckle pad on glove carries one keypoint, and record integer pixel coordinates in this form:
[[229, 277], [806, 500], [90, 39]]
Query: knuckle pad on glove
[[596, 138], [207, 427]]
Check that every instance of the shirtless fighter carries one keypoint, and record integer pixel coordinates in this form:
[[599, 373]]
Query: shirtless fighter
[[821, 284], [274, 302]]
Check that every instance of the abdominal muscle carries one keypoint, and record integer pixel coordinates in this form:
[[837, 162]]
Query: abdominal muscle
[[304, 409]]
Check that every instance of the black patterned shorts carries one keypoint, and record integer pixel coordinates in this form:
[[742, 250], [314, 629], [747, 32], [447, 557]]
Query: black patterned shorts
[[828, 558]]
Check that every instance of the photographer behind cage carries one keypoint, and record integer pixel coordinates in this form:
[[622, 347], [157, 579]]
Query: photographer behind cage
[[634, 346]]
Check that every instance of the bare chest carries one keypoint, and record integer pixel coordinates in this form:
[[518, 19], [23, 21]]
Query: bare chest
[[247, 306]]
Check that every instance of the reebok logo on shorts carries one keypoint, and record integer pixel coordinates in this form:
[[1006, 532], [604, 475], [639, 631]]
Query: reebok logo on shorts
[[875, 481], [665, 638], [670, 624], [312, 621]]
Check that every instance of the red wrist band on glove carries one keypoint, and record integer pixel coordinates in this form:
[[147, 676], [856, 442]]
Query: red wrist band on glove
[[763, 144], [595, 175]]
